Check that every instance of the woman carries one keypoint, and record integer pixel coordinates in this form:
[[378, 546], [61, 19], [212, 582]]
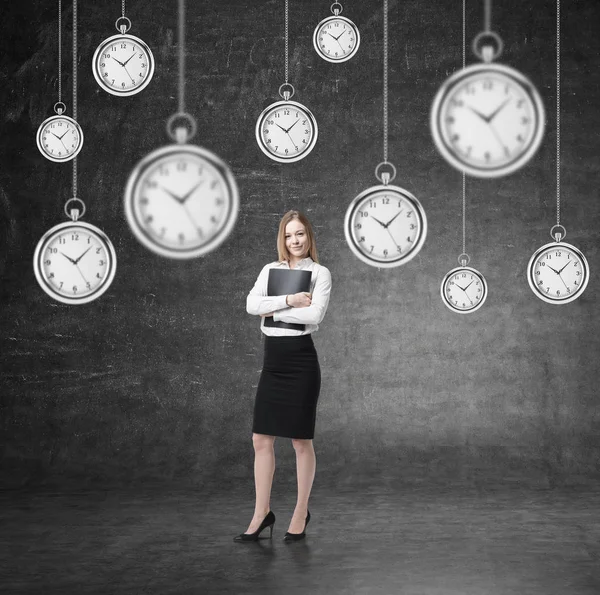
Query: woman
[[289, 385]]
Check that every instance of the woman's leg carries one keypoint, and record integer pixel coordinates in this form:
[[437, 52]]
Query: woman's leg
[[306, 465], [264, 468]]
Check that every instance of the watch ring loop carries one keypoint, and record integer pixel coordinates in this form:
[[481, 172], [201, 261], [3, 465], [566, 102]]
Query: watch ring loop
[[557, 236], [173, 134], [60, 107], [78, 216], [282, 94], [379, 176], [464, 259], [490, 34], [123, 28], [339, 10]]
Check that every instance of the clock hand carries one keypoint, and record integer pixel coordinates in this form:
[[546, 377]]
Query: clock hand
[[61, 137], [186, 196], [467, 287], [132, 55], [127, 71], [121, 63], [497, 135], [553, 269], [78, 259], [564, 282], [495, 112], [457, 285], [344, 31], [282, 128], [400, 211], [296, 122], [330, 35], [81, 274], [380, 222], [561, 270], [172, 195], [478, 113], [68, 258], [293, 143]]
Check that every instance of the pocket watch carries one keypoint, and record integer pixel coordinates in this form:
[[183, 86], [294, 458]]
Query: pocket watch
[[59, 138], [385, 225], [558, 272], [123, 64], [336, 38], [286, 131], [487, 119], [181, 201], [74, 262], [464, 289]]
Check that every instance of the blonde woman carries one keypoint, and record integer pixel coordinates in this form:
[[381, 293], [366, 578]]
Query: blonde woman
[[290, 382]]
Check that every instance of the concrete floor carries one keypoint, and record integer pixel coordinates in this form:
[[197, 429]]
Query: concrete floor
[[375, 540]]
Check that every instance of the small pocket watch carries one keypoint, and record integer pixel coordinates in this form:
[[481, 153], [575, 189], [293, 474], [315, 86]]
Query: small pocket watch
[[385, 226], [464, 289], [123, 64], [286, 131], [558, 272], [74, 262], [59, 138], [181, 201], [336, 38], [487, 119]]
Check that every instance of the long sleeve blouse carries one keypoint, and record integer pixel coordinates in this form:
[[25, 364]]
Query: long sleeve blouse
[[258, 302]]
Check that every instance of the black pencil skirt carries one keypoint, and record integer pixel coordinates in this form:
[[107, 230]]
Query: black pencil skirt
[[288, 389]]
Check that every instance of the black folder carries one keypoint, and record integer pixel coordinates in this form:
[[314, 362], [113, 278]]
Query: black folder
[[287, 282]]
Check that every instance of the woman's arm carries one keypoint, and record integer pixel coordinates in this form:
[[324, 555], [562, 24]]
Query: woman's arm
[[258, 302], [314, 313]]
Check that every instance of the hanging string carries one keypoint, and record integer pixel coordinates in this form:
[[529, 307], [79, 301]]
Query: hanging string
[[59, 50], [385, 81], [487, 19], [557, 112], [286, 41], [123, 8], [464, 248], [181, 57], [75, 89]]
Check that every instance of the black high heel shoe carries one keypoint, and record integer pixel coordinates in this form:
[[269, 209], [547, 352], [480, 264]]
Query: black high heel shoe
[[297, 536], [268, 521]]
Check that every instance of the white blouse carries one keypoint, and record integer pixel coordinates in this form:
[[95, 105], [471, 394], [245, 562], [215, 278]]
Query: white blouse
[[258, 302]]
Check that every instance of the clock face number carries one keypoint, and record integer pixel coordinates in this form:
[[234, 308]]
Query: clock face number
[[75, 262], [123, 65], [60, 138], [180, 202], [488, 121], [336, 39], [558, 273], [386, 227], [286, 132]]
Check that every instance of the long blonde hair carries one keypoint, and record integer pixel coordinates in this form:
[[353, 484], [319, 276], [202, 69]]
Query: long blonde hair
[[282, 250]]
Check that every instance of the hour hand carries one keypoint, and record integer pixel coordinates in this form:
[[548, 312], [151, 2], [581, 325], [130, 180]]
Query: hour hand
[[557, 272], [172, 195], [380, 222], [121, 63], [69, 258], [478, 113]]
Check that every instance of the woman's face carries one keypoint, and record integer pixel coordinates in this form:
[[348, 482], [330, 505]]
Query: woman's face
[[296, 238]]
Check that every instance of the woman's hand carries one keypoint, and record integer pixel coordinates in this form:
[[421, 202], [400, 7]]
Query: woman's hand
[[299, 300]]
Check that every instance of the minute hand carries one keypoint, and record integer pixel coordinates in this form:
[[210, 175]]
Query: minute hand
[[495, 112]]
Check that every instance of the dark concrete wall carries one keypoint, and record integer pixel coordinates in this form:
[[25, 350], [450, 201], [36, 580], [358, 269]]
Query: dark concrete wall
[[156, 379]]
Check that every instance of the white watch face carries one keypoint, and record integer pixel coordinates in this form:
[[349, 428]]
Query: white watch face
[[336, 39], [123, 65], [75, 263], [558, 273], [464, 290], [181, 201], [487, 120], [385, 226], [286, 131], [59, 138]]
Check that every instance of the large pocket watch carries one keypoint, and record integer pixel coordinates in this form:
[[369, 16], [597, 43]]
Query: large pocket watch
[[487, 119], [558, 272], [181, 201], [286, 131], [74, 262], [385, 225], [60, 137], [123, 64]]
